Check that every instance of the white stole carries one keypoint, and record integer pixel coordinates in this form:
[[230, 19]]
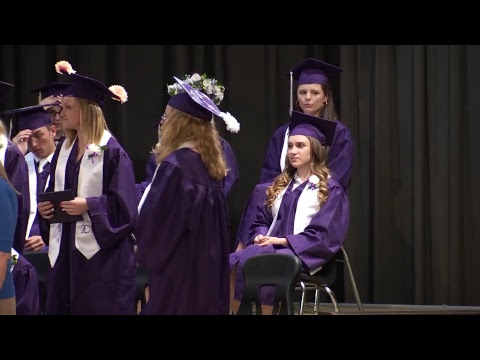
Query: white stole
[[3, 148], [90, 184], [283, 156], [147, 190], [32, 185], [307, 207]]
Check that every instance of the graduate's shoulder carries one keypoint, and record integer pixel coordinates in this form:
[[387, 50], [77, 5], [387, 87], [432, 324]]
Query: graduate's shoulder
[[115, 148], [334, 185], [13, 148], [190, 165]]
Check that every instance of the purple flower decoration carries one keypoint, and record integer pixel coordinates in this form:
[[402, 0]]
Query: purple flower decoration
[[313, 182]]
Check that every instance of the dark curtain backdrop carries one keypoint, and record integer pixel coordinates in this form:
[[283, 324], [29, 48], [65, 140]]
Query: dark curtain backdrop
[[414, 236]]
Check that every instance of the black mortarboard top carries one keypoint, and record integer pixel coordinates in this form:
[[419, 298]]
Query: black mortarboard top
[[31, 117]]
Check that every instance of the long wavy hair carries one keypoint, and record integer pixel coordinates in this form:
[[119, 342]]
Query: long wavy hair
[[181, 128], [92, 123], [318, 166]]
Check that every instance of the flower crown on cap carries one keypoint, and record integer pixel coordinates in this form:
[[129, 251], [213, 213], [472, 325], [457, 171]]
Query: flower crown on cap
[[231, 123], [64, 67], [203, 83]]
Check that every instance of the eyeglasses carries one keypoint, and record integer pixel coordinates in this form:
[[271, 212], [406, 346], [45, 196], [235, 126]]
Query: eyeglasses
[[53, 113], [163, 118]]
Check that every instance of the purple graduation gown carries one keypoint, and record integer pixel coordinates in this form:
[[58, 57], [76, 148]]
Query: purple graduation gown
[[315, 246], [17, 172], [339, 162], [25, 279], [104, 284], [230, 180], [183, 240]]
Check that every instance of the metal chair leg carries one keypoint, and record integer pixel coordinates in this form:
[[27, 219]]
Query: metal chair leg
[[352, 280], [302, 300], [332, 298], [316, 304]]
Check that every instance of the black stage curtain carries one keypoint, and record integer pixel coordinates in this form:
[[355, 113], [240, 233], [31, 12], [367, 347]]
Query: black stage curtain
[[414, 236]]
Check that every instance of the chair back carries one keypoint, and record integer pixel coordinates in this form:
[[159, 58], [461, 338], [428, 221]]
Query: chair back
[[280, 270], [141, 282], [327, 275], [41, 263]]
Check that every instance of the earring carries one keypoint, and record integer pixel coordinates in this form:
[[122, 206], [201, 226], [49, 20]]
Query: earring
[[297, 103], [325, 103]]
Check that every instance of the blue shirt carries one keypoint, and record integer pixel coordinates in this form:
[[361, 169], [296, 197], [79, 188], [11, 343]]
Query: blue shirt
[[8, 221]]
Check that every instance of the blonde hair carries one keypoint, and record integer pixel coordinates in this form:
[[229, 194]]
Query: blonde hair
[[3, 174], [180, 128], [3, 129], [318, 167], [92, 122]]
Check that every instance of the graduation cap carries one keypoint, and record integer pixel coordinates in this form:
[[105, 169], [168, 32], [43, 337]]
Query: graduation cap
[[197, 104], [87, 88], [321, 129], [311, 71], [52, 88], [31, 117], [5, 90]]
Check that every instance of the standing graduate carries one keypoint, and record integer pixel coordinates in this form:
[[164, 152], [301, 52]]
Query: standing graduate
[[35, 121], [16, 168], [306, 211], [216, 92], [182, 228], [92, 260]]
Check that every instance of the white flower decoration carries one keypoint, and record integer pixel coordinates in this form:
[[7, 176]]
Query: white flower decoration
[[313, 182], [232, 124], [94, 151], [203, 83]]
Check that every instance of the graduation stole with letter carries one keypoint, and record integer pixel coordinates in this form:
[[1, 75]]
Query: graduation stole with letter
[[32, 185], [3, 148], [90, 184], [307, 207]]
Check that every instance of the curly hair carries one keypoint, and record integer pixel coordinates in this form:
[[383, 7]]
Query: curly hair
[[318, 167], [180, 128]]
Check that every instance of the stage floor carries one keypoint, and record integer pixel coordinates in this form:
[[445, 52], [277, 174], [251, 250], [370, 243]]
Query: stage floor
[[390, 309]]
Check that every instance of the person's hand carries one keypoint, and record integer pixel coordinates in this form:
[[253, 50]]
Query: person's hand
[[34, 243], [21, 140], [50, 99], [77, 206], [262, 240], [45, 209]]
